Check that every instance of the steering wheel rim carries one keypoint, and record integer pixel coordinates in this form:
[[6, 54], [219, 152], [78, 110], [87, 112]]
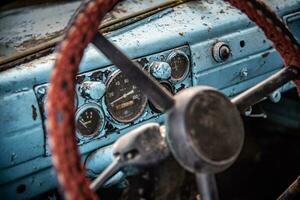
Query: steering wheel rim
[[84, 25]]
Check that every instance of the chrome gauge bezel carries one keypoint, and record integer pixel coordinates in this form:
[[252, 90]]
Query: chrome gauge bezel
[[168, 60], [99, 129], [111, 77]]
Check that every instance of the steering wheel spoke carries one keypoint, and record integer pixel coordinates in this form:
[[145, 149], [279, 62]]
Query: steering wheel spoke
[[266, 87], [135, 73]]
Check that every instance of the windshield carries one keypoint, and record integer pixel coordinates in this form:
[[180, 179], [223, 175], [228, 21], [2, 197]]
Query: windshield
[[26, 27]]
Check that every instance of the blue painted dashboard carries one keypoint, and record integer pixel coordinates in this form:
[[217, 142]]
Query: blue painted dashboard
[[193, 27]]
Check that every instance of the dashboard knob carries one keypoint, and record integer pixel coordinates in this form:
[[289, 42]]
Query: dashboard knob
[[92, 90], [160, 70], [221, 51]]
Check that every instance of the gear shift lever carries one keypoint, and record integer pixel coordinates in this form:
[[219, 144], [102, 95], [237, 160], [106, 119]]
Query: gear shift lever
[[143, 146]]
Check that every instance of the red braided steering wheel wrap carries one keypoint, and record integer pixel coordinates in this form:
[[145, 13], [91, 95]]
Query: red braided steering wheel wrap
[[65, 153]]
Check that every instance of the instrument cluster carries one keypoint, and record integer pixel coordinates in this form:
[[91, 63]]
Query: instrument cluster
[[107, 101]]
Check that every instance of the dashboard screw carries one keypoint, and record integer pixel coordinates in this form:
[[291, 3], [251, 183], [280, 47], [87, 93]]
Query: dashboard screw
[[244, 73]]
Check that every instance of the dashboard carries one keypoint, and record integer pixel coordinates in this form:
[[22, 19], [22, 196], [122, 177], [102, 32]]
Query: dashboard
[[194, 43], [108, 103]]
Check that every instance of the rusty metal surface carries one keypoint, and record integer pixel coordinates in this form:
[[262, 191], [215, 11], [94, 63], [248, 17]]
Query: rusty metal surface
[[26, 30]]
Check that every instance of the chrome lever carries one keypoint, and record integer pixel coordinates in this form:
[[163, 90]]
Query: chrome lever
[[141, 147]]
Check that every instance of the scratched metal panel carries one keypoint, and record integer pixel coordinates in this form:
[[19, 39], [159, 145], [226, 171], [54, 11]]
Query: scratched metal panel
[[173, 27], [44, 181], [280, 5], [21, 130], [23, 28], [253, 40], [240, 71]]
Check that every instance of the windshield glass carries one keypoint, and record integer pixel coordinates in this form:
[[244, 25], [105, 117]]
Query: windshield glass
[[27, 25]]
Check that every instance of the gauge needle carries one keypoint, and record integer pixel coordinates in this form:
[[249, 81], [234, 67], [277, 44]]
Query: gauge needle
[[84, 124], [122, 97], [88, 122]]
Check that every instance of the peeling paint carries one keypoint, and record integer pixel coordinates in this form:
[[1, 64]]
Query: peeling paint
[[266, 54], [34, 113]]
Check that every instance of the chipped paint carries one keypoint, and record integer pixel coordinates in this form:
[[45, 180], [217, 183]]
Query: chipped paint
[[24, 29], [34, 113]]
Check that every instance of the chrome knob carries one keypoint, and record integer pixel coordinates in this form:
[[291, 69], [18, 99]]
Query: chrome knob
[[92, 90]]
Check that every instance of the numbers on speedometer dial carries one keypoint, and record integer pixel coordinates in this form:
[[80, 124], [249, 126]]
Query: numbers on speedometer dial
[[125, 102]]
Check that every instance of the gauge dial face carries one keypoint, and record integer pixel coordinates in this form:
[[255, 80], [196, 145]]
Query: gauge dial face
[[180, 65], [125, 102], [89, 121]]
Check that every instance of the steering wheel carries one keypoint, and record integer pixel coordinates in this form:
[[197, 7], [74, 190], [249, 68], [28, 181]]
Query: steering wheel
[[83, 29]]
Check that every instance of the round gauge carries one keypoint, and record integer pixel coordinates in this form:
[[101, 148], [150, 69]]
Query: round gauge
[[125, 102], [89, 120], [180, 65]]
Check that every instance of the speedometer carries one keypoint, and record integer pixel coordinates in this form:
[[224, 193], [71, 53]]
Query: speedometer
[[125, 102]]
